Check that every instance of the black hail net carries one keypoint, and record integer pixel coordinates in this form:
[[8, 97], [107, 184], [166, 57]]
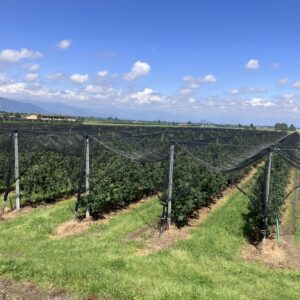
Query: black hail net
[[117, 152]]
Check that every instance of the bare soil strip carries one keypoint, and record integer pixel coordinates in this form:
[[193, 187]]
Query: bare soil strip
[[12, 214], [74, 227], [149, 236], [292, 251], [285, 255], [12, 290]]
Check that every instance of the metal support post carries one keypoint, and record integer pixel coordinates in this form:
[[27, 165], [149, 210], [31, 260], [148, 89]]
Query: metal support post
[[170, 187], [87, 173], [267, 194], [17, 173]]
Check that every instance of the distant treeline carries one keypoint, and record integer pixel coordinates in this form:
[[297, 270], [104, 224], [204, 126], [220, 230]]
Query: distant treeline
[[7, 117], [284, 127]]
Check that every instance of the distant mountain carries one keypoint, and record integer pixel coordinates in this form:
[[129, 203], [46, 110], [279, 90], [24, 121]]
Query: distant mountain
[[62, 109], [28, 106], [14, 106]]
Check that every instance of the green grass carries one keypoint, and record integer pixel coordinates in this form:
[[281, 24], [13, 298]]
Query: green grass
[[208, 265]]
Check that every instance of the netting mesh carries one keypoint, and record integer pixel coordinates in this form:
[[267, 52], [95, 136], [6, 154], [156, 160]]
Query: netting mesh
[[288, 150], [128, 163]]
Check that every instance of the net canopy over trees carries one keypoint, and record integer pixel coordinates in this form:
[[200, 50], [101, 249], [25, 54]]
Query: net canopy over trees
[[128, 163]]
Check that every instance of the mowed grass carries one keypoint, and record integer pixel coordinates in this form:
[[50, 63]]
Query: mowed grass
[[207, 265]]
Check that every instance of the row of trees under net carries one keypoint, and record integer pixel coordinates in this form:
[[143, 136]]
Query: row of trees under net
[[111, 167]]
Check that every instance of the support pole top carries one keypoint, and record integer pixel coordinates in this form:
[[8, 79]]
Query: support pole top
[[272, 148]]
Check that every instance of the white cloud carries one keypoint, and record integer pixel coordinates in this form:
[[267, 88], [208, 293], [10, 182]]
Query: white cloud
[[283, 81], [186, 91], [209, 78], [289, 98], [92, 89], [287, 102], [297, 84], [115, 97], [102, 74], [64, 44], [12, 56], [146, 96], [247, 90], [3, 78], [260, 102], [13, 88], [234, 92], [32, 67], [188, 78], [102, 95], [193, 83], [79, 78], [23, 91], [192, 100], [31, 77], [100, 92], [138, 69], [252, 64], [55, 76]]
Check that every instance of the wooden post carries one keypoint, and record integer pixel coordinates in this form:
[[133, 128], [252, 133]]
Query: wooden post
[[17, 173], [267, 193], [87, 173], [170, 187]]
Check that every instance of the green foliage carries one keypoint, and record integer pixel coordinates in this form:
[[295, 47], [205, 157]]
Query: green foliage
[[115, 183], [284, 127], [278, 184], [48, 178], [281, 126], [49, 170], [292, 127], [3, 169], [194, 187]]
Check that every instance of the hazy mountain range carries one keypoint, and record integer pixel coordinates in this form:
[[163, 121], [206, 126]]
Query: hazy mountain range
[[14, 106]]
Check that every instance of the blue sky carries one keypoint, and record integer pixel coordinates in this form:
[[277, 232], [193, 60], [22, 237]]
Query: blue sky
[[222, 61]]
